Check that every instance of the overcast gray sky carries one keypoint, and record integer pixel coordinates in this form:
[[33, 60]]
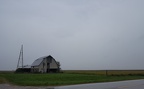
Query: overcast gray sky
[[81, 34]]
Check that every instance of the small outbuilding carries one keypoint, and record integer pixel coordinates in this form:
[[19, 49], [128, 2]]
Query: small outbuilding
[[24, 69], [45, 64]]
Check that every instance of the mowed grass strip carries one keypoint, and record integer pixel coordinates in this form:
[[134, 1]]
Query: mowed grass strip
[[47, 79], [61, 79]]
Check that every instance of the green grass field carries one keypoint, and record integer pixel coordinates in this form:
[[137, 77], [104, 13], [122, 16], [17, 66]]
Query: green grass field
[[66, 78]]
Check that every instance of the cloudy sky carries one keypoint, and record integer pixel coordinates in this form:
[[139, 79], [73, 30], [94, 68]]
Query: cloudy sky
[[81, 34]]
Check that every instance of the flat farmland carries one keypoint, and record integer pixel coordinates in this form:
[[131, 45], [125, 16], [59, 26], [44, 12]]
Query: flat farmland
[[69, 77], [107, 72]]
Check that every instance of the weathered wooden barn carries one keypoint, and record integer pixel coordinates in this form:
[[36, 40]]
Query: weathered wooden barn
[[45, 64]]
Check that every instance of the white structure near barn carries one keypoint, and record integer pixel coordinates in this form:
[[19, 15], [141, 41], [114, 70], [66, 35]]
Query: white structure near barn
[[45, 64]]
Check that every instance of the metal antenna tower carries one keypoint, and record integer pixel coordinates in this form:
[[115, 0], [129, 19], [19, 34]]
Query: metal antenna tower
[[20, 59]]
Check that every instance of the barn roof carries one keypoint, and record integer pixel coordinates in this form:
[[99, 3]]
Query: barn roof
[[38, 61], [27, 66]]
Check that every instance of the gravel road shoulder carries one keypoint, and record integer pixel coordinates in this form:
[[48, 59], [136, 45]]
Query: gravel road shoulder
[[7, 86]]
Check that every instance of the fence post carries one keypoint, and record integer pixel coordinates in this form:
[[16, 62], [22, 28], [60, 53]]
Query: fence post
[[106, 72]]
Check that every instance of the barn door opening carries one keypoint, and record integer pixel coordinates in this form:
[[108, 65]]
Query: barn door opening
[[48, 67]]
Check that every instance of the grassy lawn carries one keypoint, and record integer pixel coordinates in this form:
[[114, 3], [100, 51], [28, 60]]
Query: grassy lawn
[[67, 78]]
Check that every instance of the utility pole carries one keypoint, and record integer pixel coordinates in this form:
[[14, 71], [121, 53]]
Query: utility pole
[[22, 56]]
